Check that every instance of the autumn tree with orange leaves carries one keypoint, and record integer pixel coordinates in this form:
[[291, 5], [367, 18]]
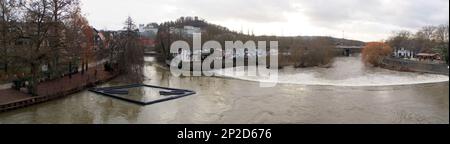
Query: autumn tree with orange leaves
[[87, 48], [374, 52], [78, 41]]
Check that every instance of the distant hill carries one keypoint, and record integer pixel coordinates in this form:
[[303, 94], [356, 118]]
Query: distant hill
[[214, 31], [299, 51]]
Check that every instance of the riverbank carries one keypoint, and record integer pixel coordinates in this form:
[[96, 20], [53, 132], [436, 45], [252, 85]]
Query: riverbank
[[414, 66], [11, 99]]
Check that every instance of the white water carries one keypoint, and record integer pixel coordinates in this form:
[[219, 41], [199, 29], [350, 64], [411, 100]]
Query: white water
[[348, 71]]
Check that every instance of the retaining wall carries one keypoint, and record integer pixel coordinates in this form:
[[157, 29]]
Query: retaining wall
[[415, 66]]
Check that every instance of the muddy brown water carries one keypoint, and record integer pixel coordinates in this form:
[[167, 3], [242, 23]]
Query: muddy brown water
[[226, 100]]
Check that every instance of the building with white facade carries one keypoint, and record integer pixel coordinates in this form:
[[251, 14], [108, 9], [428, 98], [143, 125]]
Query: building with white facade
[[404, 53], [189, 30], [186, 31], [149, 29]]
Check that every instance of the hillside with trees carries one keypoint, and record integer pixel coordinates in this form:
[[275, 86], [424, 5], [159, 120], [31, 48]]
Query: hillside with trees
[[300, 51]]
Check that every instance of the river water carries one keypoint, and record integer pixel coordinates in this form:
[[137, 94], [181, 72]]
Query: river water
[[349, 92]]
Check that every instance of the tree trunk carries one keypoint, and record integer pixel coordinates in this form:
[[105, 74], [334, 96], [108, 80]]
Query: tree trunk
[[70, 70], [82, 67], [32, 88], [87, 65]]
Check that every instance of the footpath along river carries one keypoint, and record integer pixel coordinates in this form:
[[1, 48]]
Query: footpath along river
[[349, 92]]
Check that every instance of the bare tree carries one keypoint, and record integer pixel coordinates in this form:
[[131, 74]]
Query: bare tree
[[442, 33], [36, 27], [425, 37], [8, 18], [73, 40], [60, 11], [441, 36], [401, 39], [87, 42], [426, 32], [126, 53], [132, 58]]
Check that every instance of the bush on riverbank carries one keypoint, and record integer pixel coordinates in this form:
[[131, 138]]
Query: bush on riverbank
[[374, 52], [310, 52]]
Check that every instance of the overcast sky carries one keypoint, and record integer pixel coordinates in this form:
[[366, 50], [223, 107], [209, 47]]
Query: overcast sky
[[367, 20]]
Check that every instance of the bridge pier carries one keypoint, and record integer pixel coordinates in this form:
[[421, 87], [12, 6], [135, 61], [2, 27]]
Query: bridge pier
[[349, 50]]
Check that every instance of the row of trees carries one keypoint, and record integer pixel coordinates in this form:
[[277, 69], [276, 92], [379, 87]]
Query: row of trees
[[38, 36], [50, 38], [427, 39]]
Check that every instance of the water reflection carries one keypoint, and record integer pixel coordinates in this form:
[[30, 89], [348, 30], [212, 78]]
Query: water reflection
[[221, 100]]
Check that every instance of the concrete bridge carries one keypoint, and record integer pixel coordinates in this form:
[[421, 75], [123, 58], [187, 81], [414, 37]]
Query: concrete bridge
[[349, 50]]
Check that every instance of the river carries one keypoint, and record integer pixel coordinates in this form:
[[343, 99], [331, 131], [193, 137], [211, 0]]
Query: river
[[349, 92]]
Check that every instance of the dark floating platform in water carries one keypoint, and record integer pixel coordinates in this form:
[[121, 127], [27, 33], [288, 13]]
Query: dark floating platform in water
[[143, 94]]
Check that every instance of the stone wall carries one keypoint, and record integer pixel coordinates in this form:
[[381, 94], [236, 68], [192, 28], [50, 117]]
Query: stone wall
[[414, 66]]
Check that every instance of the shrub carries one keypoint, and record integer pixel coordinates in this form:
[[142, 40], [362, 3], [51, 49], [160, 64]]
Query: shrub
[[374, 52]]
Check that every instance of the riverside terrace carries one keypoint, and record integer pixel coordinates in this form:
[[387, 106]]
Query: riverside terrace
[[12, 99]]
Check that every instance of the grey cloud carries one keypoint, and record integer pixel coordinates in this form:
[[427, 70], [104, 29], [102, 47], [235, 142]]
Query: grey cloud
[[368, 17], [401, 13], [248, 10]]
